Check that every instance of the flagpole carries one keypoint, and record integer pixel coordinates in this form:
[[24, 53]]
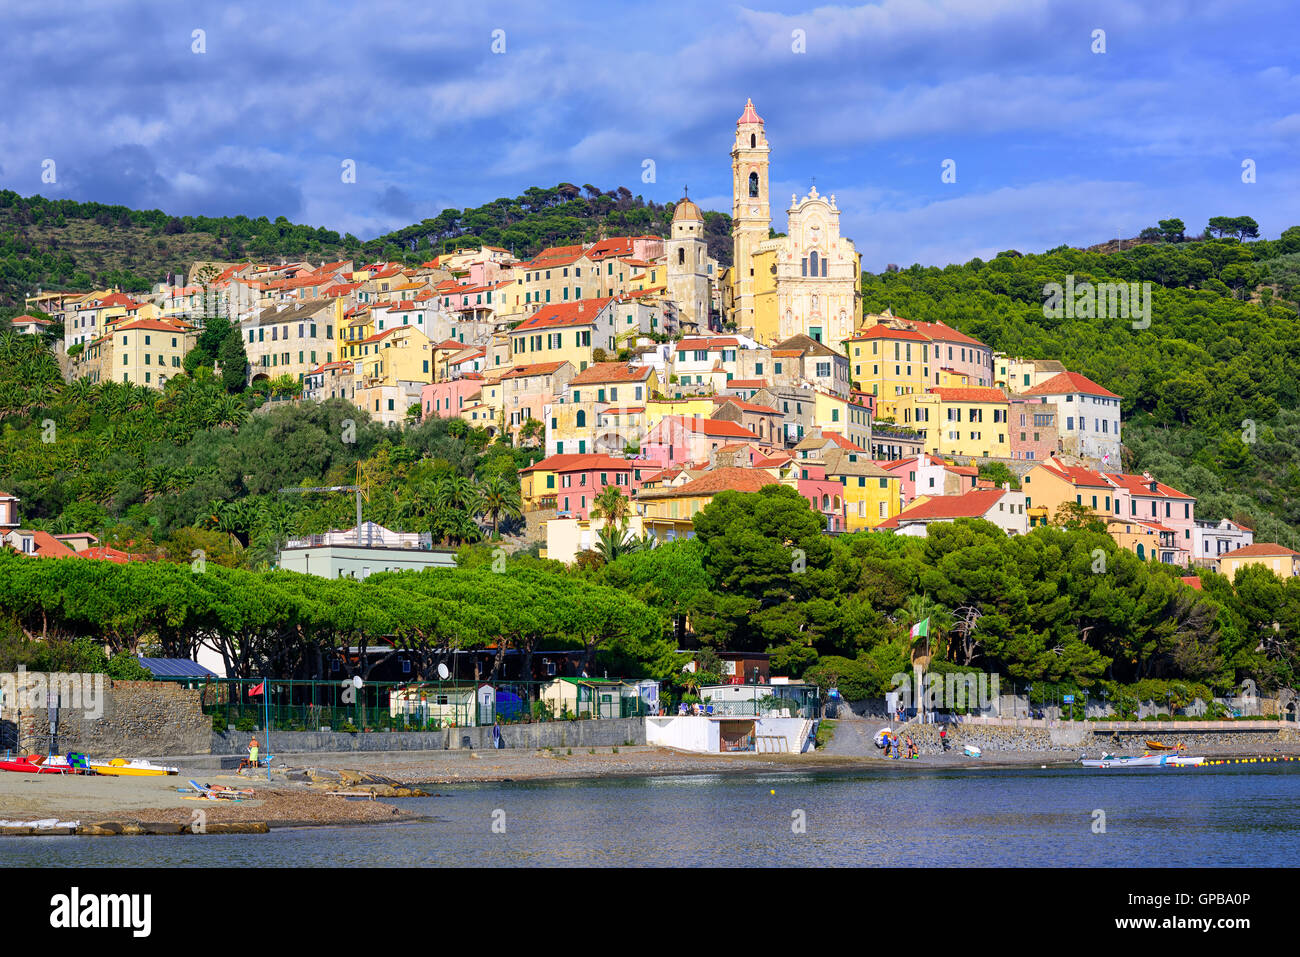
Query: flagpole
[[266, 709]]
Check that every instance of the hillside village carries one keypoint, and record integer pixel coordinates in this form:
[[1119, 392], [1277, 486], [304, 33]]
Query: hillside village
[[639, 363]]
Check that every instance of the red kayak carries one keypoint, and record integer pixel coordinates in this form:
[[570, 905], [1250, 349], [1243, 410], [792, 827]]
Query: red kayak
[[32, 763]]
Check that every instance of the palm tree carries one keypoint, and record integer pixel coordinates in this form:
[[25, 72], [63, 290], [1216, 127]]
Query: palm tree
[[612, 506], [499, 497], [613, 542]]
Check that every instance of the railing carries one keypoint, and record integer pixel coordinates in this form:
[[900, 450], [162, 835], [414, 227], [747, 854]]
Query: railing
[[304, 705]]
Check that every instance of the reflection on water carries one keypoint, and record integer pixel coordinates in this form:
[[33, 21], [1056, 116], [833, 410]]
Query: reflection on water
[[1246, 816]]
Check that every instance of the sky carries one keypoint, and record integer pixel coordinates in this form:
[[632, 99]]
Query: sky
[[1051, 133]]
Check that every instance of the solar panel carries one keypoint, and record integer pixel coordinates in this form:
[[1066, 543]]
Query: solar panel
[[176, 668]]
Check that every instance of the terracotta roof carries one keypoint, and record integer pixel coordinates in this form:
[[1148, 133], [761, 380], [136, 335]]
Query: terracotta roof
[[715, 481], [570, 462], [1192, 580], [1069, 383], [611, 372], [149, 325], [1077, 476], [880, 331], [1260, 549], [578, 313], [46, 545], [706, 343], [943, 333], [537, 368], [746, 384], [745, 406], [976, 394], [973, 504], [719, 427], [1138, 485]]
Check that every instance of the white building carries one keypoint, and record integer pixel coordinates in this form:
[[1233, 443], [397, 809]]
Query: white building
[[1212, 539], [1087, 417]]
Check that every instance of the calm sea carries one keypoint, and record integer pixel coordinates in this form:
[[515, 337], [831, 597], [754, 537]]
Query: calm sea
[[1224, 816]]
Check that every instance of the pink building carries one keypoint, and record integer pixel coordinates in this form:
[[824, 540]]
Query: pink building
[[574, 481], [1142, 498], [826, 497], [445, 400], [677, 439], [1033, 429]]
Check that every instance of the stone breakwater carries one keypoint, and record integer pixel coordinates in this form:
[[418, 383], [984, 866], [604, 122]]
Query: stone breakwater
[[1072, 739]]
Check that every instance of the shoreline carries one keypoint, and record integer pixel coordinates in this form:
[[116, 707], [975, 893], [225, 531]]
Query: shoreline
[[297, 797]]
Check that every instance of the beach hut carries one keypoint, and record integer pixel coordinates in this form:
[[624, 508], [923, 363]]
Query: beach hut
[[436, 705], [585, 697]]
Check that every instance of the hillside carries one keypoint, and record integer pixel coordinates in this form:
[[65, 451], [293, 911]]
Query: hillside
[[1211, 388], [62, 244]]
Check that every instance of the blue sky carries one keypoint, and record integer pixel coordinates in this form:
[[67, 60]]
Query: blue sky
[[1052, 142]]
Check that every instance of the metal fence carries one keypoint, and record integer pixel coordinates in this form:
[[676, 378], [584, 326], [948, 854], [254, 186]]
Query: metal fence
[[297, 705]]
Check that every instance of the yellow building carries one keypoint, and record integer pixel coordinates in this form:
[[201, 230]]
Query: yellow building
[[403, 354], [889, 364], [656, 408], [1049, 485], [1281, 561], [969, 422], [569, 332], [871, 495], [149, 352]]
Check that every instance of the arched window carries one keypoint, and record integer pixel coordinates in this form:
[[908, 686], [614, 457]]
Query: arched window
[[581, 419], [753, 140], [681, 255], [812, 261], [753, 184], [1141, 551]]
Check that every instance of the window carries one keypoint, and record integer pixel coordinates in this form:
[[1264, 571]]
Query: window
[[753, 177]]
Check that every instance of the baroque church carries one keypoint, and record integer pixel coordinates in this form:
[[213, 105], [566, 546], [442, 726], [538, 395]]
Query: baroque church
[[807, 282]]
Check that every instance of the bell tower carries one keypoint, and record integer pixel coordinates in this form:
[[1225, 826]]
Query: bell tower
[[751, 214]]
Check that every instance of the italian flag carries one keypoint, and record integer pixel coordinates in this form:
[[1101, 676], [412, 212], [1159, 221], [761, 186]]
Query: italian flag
[[921, 629]]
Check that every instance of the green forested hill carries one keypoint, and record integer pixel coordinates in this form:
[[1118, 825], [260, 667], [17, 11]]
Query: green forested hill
[[1210, 388], [62, 244]]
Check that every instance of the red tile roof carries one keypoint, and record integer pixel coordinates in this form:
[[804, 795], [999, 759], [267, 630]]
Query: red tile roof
[[580, 462], [1260, 549], [1069, 383], [973, 504], [718, 427], [719, 480], [537, 368], [150, 325], [879, 331], [1076, 475], [1137, 485], [611, 372], [976, 394], [579, 313], [944, 333], [719, 342]]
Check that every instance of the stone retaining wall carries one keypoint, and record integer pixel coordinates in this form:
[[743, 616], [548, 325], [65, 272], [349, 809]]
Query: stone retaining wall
[[607, 732], [102, 717], [1073, 738]]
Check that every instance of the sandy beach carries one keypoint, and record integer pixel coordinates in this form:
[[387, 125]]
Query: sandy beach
[[297, 793]]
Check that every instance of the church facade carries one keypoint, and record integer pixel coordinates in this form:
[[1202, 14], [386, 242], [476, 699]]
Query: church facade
[[807, 282]]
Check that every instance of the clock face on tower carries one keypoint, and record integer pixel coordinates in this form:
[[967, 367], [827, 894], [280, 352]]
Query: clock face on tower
[[753, 210]]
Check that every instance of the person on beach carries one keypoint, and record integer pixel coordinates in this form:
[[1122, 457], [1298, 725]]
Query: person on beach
[[911, 748], [252, 752], [886, 739], [943, 738], [897, 749]]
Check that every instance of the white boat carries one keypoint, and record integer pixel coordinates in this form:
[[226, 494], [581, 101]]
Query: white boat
[[972, 751], [1142, 761], [118, 767]]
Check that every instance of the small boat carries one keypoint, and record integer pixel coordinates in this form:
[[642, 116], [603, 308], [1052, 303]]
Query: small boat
[[117, 767], [37, 764], [1142, 761], [1157, 746], [881, 737], [138, 768], [971, 751]]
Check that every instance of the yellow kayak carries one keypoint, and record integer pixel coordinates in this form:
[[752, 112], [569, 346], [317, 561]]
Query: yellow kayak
[[123, 767]]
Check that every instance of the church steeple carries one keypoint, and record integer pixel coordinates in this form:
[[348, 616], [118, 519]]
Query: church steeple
[[751, 215]]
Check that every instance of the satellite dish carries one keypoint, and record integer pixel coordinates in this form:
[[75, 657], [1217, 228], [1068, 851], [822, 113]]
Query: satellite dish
[[356, 681], [443, 673]]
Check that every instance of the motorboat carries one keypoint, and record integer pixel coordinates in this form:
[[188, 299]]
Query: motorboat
[[116, 767]]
